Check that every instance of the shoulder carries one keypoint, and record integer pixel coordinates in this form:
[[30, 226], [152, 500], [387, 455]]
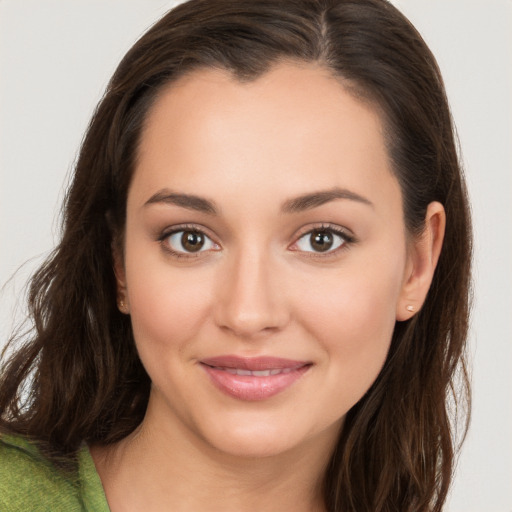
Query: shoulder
[[28, 481]]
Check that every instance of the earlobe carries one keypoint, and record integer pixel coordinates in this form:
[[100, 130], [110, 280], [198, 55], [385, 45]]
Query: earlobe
[[424, 252]]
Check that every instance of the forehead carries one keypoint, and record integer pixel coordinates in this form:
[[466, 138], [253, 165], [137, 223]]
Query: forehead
[[295, 127]]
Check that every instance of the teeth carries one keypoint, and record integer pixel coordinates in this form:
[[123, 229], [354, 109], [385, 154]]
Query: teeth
[[256, 373]]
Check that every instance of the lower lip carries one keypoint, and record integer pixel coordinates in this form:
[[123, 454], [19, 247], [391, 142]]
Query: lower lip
[[250, 387]]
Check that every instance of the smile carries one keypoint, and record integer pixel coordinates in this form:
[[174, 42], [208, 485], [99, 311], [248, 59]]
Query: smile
[[255, 373], [253, 379]]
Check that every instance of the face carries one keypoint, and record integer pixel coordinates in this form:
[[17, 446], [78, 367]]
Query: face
[[265, 258]]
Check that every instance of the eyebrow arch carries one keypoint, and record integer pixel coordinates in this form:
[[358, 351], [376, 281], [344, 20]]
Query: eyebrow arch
[[188, 201], [315, 199]]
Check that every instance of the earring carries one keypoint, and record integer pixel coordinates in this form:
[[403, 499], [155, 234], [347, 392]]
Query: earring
[[410, 308], [122, 306]]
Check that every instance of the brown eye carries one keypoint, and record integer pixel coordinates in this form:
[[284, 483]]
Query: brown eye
[[192, 241], [321, 240], [189, 241]]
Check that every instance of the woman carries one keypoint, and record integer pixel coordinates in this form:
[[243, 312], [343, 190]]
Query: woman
[[260, 298]]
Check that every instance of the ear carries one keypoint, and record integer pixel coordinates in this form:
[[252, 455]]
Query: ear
[[423, 255], [119, 271]]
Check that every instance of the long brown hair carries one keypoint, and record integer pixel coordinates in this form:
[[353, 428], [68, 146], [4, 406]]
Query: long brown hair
[[77, 376]]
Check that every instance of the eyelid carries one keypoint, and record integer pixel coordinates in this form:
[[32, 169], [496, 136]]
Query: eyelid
[[346, 234], [327, 226], [171, 230]]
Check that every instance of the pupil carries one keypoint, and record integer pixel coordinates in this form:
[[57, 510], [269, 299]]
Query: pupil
[[192, 241], [321, 240]]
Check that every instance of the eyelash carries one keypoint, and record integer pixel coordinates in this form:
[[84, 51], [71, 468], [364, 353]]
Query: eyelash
[[186, 228], [347, 240]]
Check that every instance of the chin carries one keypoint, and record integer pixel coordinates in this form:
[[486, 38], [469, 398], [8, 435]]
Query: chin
[[256, 447], [270, 438]]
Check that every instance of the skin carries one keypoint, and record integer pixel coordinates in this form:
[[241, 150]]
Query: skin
[[258, 288]]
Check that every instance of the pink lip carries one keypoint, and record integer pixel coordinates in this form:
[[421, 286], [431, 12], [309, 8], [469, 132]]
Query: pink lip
[[278, 375]]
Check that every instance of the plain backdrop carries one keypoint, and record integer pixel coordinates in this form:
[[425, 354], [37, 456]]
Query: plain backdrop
[[56, 57]]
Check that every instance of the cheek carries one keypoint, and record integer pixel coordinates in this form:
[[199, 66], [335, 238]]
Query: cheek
[[352, 317], [166, 307], [360, 297], [351, 321]]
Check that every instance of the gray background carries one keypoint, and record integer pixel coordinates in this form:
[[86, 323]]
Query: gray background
[[55, 59]]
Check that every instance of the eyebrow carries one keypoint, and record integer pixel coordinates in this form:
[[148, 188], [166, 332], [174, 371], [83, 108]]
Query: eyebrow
[[191, 202], [294, 205], [315, 199]]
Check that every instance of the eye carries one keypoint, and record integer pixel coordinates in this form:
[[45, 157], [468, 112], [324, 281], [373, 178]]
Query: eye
[[189, 241], [321, 240]]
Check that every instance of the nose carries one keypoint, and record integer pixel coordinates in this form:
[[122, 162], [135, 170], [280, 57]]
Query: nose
[[251, 298]]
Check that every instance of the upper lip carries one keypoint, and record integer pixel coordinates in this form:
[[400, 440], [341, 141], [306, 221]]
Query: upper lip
[[253, 363]]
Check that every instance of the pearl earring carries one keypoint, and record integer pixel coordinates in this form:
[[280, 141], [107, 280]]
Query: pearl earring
[[410, 308]]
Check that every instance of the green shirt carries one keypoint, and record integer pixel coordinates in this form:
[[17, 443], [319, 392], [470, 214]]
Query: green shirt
[[30, 483]]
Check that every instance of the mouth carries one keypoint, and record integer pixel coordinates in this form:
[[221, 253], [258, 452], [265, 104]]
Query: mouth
[[254, 373], [253, 379]]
